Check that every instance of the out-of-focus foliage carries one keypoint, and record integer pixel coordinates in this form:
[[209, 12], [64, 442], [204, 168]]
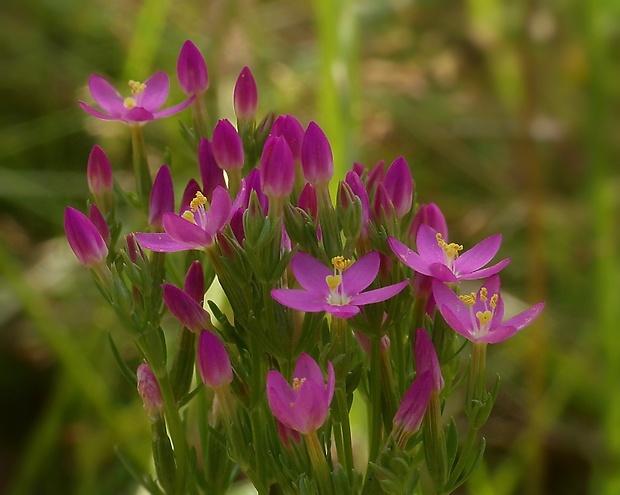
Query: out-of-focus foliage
[[505, 111]]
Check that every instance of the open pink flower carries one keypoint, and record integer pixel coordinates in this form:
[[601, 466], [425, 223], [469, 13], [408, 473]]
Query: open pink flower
[[196, 228], [303, 406], [438, 259], [478, 316], [337, 291], [142, 106]]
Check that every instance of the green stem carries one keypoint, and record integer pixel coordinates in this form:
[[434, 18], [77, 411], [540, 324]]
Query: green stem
[[476, 385], [329, 225], [319, 463], [375, 380]]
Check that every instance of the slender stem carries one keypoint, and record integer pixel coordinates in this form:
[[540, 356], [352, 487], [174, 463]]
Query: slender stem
[[199, 117], [319, 463], [375, 380]]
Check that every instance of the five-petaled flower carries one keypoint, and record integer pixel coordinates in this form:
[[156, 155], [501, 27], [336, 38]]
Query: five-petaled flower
[[196, 228], [478, 316], [141, 107], [336, 291], [303, 406], [438, 259]]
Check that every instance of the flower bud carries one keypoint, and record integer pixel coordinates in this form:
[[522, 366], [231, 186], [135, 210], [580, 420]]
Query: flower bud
[[195, 282], [399, 185], [426, 358], [189, 193], [245, 97], [409, 416], [430, 215], [100, 180], [162, 197], [316, 156], [210, 174], [375, 176], [381, 205], [186, 309], [277, 169], [308, 201], [192, 70], [148, 388], [227, 146], [213, 362], [253, 183], [134, 251], [290, 128], [84, 238], [357, 187], [95, 216]]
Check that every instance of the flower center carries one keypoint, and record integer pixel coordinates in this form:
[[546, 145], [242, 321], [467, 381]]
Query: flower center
[[481, 320], [137, 88], [297, 383], [451, 251], [196, 206], [337, 295]]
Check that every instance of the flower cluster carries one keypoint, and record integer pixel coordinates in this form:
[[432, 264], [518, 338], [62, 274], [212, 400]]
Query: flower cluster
[[324, 299]]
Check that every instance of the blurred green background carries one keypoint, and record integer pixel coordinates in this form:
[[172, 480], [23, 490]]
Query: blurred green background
[[506, 112]]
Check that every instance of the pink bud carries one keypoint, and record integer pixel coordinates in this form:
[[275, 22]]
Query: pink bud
[[289, 127], [162, 197], [99, 175], [426, 358], [192, 70], [430, 215], [398, 183], [277, 169], [210, 174], [317, 160], [84, 238], [195, 282], [227, 146], [213, 362], [148, 388], [99, 222], [409, 416], [245, 97], [308, 201]]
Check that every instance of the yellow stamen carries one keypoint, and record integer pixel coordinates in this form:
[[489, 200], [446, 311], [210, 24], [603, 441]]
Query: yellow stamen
[[189, 216], [340, 263], [129, 103], [484, 317], [469, 299], [136, 87], [451, 250], [494, 299], [483, 294], [198, 201], [297, 383], [333, 281]]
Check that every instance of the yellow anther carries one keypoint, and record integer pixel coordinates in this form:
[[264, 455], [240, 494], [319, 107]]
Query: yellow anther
[[451, 250], [483, 294], [189, 216], [333, 281], [297, 383], [340, 263], [484, 317], [469, 299], [494, 299], [198, 201], [136, 87], [129, 103]]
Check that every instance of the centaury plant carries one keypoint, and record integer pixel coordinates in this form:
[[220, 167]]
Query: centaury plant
[[324, 300]]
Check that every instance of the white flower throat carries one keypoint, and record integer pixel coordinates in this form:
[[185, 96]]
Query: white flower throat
[[337, 296]]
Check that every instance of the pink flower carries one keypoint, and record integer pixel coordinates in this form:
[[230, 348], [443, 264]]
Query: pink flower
[[438, 259], [192, 70], [85, 240], [304, 406], [142, 106], [213, 361], [478, 316], [245, 95], [337, 291]]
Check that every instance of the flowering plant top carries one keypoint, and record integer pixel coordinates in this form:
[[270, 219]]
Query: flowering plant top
[[315, 304]]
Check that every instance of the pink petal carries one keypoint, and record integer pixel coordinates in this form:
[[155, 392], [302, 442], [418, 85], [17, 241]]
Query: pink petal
[[307, 368], [301, 300], [485, 272], [310, 409], [381, 294], [408, 257], [137, 114], [280, 395], [525, 317], [361, 273], [441, 272], [105, 95], [479, 255], [344, 312], [455, 312], [311, 273], [184, 231], [497, 335], [160, 242], [167, 112], [95, 113], [155, 93], [219, 213], [428, 248]]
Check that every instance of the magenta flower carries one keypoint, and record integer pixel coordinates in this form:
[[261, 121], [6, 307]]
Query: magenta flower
[[162, 197], [336, 291], [478, 316], [227, 146], [84, 238], [411, 411], [438, 259], [196, 228], [317, 160], [192, 70], [245, 95], [213, 361], [399, 185], [277, 168], [304, 406], [141, 107]]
